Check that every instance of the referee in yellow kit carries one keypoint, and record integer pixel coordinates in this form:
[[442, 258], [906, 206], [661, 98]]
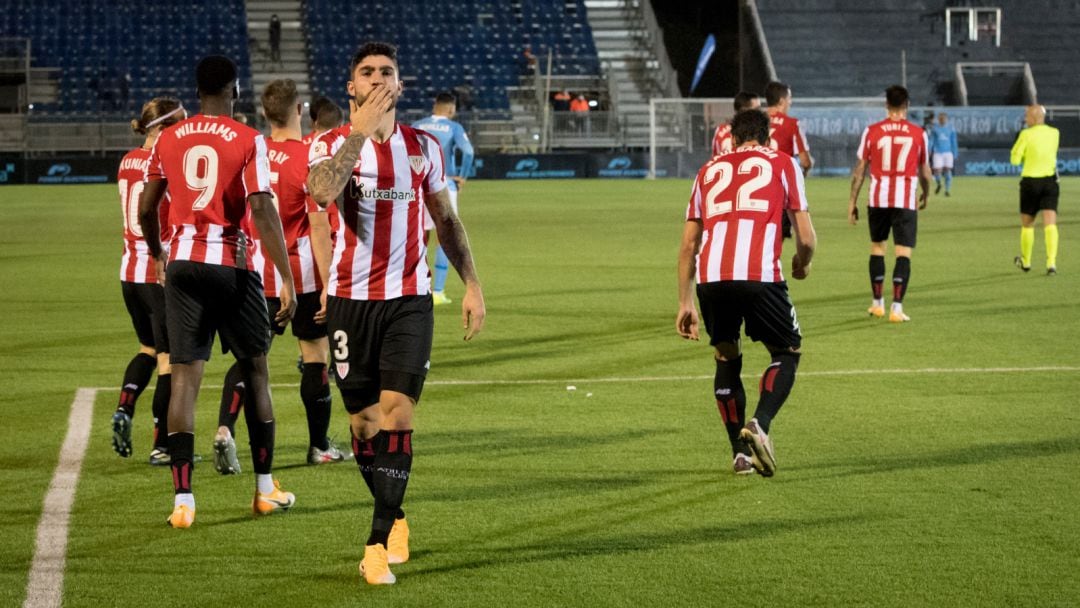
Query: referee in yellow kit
[[1036, 148]]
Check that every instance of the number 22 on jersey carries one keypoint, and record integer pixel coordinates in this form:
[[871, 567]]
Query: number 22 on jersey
[[724, 174]]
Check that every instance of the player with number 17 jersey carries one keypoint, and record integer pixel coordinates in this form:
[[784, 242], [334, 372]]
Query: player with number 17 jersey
[[895, 151], [221, 163], [740, 198]]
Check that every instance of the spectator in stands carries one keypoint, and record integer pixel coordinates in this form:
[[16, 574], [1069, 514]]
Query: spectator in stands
[[560, 101], [579, 108], [527, 63], [464, 94], [275, 39]]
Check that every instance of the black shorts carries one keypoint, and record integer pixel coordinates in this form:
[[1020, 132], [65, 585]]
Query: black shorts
[[904, 223], [1038, 194], [146, 304], [766, 308], [303, 322], [380, 345], [201, 299]]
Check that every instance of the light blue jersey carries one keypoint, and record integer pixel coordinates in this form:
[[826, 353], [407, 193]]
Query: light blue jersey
[[452, 137], [943, 139]]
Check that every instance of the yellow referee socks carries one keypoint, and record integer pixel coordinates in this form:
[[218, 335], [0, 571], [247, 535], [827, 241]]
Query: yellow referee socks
[[1027, 243], [1051, 233]]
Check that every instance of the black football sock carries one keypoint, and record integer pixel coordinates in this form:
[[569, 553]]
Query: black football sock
[[364, 454], [900, 276], [136, 377], [877, 275], [181, 449], [393, 464], [232, 398], [775, 387], [315, 393], [731, 400], [160, 408], [261, 440]]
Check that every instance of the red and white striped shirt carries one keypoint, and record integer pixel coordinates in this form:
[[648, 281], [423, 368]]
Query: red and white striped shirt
[[896, 150], [721, 139], [212, 164], [379, 250], [288, 182], [740, 197], [136, 265], [786, 135]]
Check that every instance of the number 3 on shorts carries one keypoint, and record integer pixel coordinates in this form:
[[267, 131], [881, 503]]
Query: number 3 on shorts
[[341, 352]]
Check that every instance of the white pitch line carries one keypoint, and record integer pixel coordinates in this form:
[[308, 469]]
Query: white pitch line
[[45, 586], [628, 379]]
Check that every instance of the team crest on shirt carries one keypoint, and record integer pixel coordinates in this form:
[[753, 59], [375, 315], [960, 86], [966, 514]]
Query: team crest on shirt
[[342, 369], [320, 148], [417, 163]]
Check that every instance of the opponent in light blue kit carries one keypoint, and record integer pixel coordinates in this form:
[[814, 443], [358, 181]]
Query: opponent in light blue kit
[[452, 137], [943, 152]]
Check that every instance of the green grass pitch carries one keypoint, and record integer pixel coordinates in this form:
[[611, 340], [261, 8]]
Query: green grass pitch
[[955, 487]]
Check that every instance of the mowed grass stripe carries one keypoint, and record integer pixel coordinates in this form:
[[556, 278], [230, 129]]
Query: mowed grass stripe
[[45, 586]]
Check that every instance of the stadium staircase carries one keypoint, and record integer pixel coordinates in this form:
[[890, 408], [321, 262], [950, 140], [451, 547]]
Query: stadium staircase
[[294, 53], [631, 49]]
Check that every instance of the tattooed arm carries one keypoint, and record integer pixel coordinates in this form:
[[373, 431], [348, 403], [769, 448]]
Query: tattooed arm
[[327, 179], [455, 244]]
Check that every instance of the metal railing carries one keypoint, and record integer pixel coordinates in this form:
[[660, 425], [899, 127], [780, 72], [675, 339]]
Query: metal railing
[[1021, 69]]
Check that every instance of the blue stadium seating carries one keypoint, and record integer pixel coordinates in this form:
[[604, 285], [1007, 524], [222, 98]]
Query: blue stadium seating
[[446, 43], [106, 46]]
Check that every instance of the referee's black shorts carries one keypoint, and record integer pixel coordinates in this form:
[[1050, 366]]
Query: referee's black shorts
[[146, 305], [380, 345], [765, 307], [1038, 194], [201, 299], [903, 223]]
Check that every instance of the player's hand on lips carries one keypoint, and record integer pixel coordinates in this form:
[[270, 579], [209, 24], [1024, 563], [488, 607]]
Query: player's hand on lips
[[365, 118]]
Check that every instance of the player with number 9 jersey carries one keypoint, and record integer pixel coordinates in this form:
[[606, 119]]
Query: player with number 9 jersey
[[220, 163], [740, 197]]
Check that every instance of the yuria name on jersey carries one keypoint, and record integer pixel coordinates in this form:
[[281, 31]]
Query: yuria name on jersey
[[895, 126], [193, 128]]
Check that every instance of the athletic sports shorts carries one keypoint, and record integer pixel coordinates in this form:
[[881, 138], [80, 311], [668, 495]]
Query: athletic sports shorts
[[146, 304], [201, 299], [941, 160], [903, 223], [379, 345], [765, 307], [303, 322], [1038, 193]]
